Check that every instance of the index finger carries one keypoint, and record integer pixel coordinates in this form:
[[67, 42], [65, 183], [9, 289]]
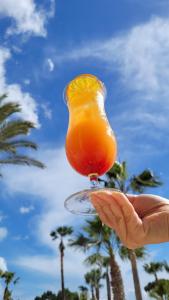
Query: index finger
[[118, 202]]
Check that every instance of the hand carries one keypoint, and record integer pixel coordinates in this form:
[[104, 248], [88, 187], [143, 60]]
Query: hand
[[137, 220]]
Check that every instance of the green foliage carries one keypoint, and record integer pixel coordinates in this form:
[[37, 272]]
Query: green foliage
[[101, 239], [83, 292], [68, 295], [94, 259], [98, 233], [145, 179], [158, 290], [47, 296], [166, 266], [93, 277], [61, 231], [81, 242], [153, 267], [118, 177], [8, 279], [140, 253], [94, 236], [11, 131]]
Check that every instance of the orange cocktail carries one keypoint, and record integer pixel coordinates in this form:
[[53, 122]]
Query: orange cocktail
[[90, 142]]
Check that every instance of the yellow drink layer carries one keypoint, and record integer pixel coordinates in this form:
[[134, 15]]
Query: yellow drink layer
[[82, 89]]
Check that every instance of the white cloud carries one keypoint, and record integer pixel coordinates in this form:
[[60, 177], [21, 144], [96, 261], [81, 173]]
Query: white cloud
[[136, 54], [3, 233], [16, 49], [49, 265], [27, 81], [46, 110], [2, 216], [20, 237], [139, 58], [27, 18], [3, 264], [26, 209], [54, 184], [15, 93], [50, 64]]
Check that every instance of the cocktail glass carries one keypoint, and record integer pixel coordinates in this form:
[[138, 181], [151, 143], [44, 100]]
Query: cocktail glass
[[90, 142]]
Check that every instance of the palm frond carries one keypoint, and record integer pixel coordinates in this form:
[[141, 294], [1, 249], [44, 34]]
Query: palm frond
[[24, 144], [11, 147], [2, 97], [8, 109], [139, 252], [94, 259], [80, 242], [54, 235], [145, 179], [6, 147], [64, 230], [14, 128], [166, 266], [115, 171], [153, 267], [124, 253], [83, 288], [22, 160], [16, 280]]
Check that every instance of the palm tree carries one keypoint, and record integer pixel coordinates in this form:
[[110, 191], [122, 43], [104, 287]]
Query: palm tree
[[93, 279], [60, 233], [106, 265], [158, 290], [97, 274], [11, 131], [101, 261], [117, 177], [101, 238], [90, 281], [153, 268], [9, 278], [83, 292], [133, 256]]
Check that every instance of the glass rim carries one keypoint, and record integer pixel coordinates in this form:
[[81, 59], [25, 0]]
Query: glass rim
[[89, 191], [84, 75]]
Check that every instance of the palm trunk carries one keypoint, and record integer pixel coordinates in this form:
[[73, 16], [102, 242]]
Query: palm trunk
[[92, 292], [6, 293], [108, 285], [61, 246], [97, 293], [116, 278], [156, 278], [137, 287]]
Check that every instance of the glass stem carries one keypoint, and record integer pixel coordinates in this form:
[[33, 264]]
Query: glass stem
[[94, 180]]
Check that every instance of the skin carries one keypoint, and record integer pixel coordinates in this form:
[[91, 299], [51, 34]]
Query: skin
[[137, 220]]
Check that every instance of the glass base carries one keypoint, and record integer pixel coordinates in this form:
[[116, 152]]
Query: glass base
[[80, 203]]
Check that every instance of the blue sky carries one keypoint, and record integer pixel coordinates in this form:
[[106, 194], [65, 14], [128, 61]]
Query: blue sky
[[43, 45]]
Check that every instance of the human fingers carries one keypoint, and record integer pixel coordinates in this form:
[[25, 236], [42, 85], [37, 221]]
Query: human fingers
[[156, 228], [110, 212], [103, 210], [121, 216], [146, 204]]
